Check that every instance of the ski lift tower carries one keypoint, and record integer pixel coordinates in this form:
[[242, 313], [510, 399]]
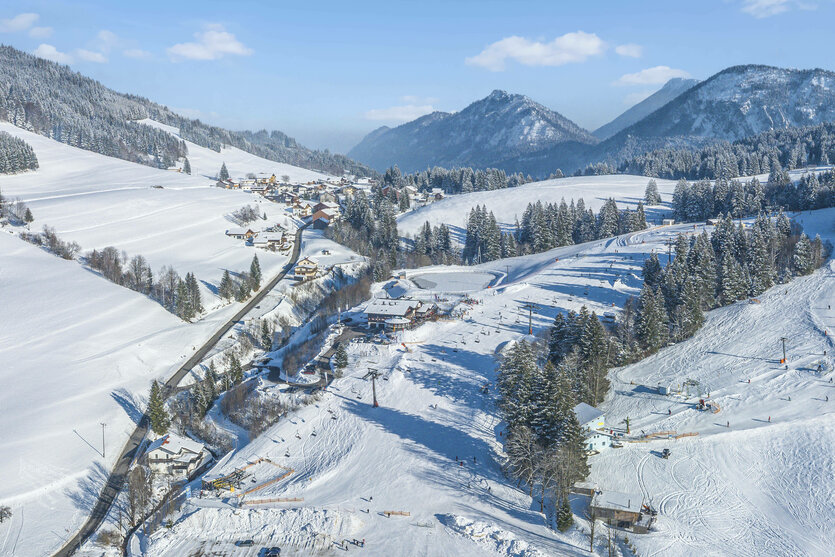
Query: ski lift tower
[[530, 307], [784, 339], [373, 374]]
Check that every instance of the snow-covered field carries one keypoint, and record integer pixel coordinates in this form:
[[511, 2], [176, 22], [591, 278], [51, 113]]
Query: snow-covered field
[[206, 162], [509, 204], [77, 350], [433, 448]]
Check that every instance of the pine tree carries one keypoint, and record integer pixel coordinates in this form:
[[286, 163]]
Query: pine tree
[[158, 416], [266, 335], [652, 319], [195, 298], [235, 371], [27, 216], [223, 174], [733, 285], [255, 273], [651, 195], [227, 287], [340, 357], [565, 518], [186, 166], [803, 259], [652, 271]]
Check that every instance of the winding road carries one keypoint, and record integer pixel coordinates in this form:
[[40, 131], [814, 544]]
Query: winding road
[[117, 476]]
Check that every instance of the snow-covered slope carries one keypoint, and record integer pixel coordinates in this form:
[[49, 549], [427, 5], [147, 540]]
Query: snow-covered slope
[[668, 92], [489, 130], [434, 447], [77, 350], [509, 204], [206, 162]]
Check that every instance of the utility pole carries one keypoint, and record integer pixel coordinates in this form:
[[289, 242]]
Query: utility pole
[[102, 438], [373, 374], [783, 361], [530, 307]]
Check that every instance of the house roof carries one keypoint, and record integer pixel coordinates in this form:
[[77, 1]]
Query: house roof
[[174, 444], [238, 231], [396, 289], [617, 501], [394, 308], [307, 262], [586, 413], [321, 214]]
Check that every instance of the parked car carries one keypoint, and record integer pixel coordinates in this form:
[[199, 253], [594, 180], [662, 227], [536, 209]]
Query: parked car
[[245, 543], [272, 552]]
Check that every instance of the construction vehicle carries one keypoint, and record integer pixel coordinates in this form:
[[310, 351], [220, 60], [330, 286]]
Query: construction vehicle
[[665, 453]]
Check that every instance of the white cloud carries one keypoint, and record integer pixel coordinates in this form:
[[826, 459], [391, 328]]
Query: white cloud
[[212, 43], [49, 52], [20, 22], [634, 98], [412, 99], [571, 47], [768, 8], [40, 32], [651, 76], [402, 113], [107, 40], [91, 56], [630, 50], [137, 53]]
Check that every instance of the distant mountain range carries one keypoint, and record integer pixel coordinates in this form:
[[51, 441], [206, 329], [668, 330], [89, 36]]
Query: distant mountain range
[[493, 128], [638, 112], [516, 134]]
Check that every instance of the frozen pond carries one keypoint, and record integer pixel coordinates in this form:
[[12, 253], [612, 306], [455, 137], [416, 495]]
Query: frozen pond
[[454, 281]]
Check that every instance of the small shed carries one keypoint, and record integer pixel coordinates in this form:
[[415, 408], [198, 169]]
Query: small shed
[[617, 509]]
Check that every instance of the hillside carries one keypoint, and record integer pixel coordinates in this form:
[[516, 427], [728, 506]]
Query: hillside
[[742, 101], [481, 134], [435, 447], [52, 100], [83, 349], [668, 92]]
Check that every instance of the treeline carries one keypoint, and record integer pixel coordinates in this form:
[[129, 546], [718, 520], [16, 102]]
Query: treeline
[[16, 155], [180, 296], [715, 270], [545, 444], [704, 199], [455, 180], [791, 147], [15, 210], [49, 240], [369, 227], [243, 284]]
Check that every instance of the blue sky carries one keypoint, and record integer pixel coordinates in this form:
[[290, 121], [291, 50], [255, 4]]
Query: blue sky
[[329, 72]]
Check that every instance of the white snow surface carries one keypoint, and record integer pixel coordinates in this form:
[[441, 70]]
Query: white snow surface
[[754, 488], [509, 204], [206, 162], [77, 350]]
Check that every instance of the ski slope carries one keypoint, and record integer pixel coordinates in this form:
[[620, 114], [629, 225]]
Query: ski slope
[[78, 350], [509, 204], [206, 162], [754, 488]]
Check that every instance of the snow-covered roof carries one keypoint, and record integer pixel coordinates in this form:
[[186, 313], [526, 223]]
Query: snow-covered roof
[[397, 321], [395, 308], [586, 413], [396, 289], [307, 262], [238, 231], [174, 444], [618, 501]]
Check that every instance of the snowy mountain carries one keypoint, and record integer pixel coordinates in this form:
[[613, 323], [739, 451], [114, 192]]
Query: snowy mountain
[[52, 100], [494, 128], [742, 101], [638, 112]]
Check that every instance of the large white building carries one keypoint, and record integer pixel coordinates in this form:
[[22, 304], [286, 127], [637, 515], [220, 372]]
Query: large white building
[[593, 423], [176, 456]]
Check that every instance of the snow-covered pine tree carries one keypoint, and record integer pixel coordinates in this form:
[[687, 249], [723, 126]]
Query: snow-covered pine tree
[[255, 273], [158, 416], [223, 174], [186, 166], [651, 195]]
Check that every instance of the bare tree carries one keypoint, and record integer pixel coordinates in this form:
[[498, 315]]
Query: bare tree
[[140, 491], [5, 514]]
